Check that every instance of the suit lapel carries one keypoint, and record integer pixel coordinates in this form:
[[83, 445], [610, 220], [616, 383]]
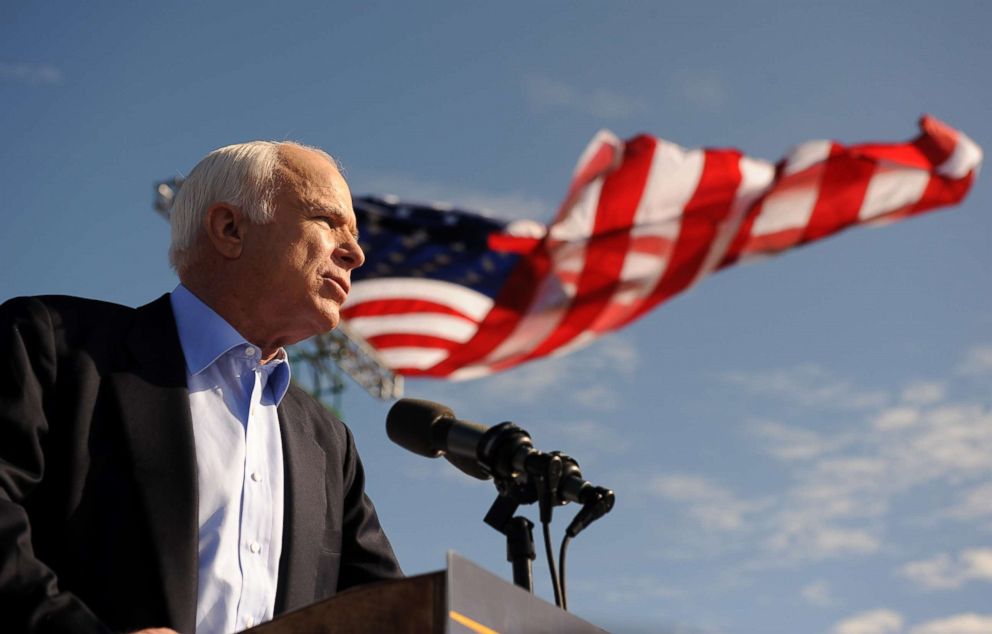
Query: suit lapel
[[305, 506], [154, 402]]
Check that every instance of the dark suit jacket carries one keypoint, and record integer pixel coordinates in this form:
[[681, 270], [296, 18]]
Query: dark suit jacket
[[98, 488]]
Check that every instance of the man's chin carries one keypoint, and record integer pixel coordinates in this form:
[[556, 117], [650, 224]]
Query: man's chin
[[330, 319], [324, 316]]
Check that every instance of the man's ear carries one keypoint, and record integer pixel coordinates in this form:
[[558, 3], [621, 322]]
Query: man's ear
[[225, 226]]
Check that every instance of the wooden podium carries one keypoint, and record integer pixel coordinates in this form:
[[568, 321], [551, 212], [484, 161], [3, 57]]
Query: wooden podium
[[464, 599]]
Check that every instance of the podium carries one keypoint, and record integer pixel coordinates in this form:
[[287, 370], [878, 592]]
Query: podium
[[463, 599]]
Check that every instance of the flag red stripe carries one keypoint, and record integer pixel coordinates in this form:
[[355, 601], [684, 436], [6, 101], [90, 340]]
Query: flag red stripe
[[910, 155], [740, 240], [398, 306], [607, 248], [937, 140], [943, 191], [596, 165], [594, 279], [510, 307], [404, 340], [842, 190], [709, 206]]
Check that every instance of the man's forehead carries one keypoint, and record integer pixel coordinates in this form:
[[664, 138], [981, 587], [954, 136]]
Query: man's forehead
[[315, 181], [312, 176], [314, 170], [326, 192]]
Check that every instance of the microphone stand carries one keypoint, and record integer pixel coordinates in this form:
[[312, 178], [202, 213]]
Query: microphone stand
[[524, 475], [519, 533], [545, 474]]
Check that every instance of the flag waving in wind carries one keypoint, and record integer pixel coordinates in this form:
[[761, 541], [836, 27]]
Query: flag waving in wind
[[449, 293]]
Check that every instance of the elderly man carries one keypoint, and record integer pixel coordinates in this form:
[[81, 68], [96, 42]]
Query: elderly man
[[157, 468]]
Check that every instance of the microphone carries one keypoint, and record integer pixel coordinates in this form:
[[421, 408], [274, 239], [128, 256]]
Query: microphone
[[504, 451], [423, 427]]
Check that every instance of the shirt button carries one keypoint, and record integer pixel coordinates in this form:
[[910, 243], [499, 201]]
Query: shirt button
[[249, 351], [256, 476], [250, 622], [254, 547]]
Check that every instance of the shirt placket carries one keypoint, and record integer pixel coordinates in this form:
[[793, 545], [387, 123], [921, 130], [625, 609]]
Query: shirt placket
[[256, 537]]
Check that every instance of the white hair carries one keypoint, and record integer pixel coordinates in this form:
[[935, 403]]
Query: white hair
[[242, 175]]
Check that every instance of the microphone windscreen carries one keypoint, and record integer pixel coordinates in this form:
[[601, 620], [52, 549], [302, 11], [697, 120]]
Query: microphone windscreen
[[409, 424]]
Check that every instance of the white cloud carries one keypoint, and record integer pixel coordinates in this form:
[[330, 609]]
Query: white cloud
[[839, 498], [27, 73], [839, 486], [817, 593], [701, 89], [805, 538], [588, 437], [953, 442], [977, 361], [685, 488], [933, 573], [975, 502], [924, 392], [551, 94], [630, 590], [576, 377], [439, 469], [944, 572], [872, 622], [827, 511], [807, 385], [507, 205], [710, 505], [842, 483], [969, 623], [790, 443], [893, 418]]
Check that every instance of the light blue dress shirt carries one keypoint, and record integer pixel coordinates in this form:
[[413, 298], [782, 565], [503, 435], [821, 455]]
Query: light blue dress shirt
[[233, 400]]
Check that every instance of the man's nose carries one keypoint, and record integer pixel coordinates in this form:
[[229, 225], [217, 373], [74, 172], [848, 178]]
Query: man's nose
[[350, 255]]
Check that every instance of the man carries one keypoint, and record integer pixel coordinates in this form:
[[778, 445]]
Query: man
[[157, 469]]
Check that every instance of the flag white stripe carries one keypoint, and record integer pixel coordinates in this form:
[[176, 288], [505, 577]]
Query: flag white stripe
[[470, 372], [672, 179], [890, 190], [787, 208], [807, 155], [756, 177], [965, 157], [472, 304], [671, 182], [602, 137], [432, 324], [767, 210], [534, 328], [419, 358], [554, 296], [581, 218]]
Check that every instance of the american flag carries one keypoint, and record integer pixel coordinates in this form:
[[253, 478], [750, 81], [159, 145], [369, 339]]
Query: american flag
[[450, 293]]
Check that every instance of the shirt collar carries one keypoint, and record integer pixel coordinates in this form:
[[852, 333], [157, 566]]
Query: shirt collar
[[205, 336]]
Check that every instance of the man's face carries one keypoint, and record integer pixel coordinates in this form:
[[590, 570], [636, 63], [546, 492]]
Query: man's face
[[300, 263]]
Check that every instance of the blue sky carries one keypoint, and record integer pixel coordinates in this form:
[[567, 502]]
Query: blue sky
[[798, 445]]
